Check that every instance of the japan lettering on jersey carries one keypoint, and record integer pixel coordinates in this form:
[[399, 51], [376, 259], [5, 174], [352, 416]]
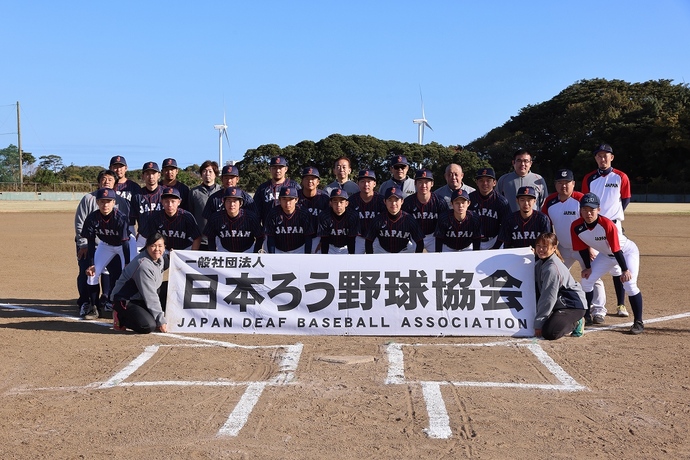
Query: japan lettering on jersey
[[491, 209], [338, 229], [289, 231], [611, 186], [604, 236], [562, 215], [396, 233], [427, 214], [215, 204], [367, 212], [517, 232], [314, 205], [459, 234], [127, 189], [267, 196], [145, 203], [180, 229], [111, 229], [236, 234]]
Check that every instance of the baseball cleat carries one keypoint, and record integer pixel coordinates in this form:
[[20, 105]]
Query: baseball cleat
[[598, 319], [107, 305], [92, 312], [621, 311], [637, 328], [84, 309]]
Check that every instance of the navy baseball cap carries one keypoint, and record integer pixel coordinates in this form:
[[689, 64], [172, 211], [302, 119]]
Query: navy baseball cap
[[485, 172], [105, 194], [527, 191], [399, 160], [169, 163], [233, 192], [393, 191], [603, 148], [424, 174], [310, 171], [230, 170], [288, 192], [151, 165], [170, 192], [590, 200], [564, 174], [339, 193], [279, 161], [366, 174], [459, 193], [118, 160]]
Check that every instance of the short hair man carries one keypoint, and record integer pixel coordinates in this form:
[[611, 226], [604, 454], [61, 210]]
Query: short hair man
[[148, 200], [521, 228], [124, 187], [563, 208], [453, 176], [522, 176], [288, 228], [395, 230], [426, 207], [199, 195], [267, 195], [234, 229], [399, 167], [230, 177], [617, 255], [312, 198], [338, 226], [342, 167], [461, 229], [169, 179], [367, 204], [177, 225], [491, 207], [612, 186]]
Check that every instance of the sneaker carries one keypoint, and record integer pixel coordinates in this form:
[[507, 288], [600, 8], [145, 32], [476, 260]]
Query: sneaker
[[588, 319], [116, 323], [84, 309], [621, 311], [579, 328], [637, 328], [107, 305], [598, 319], [92, 312]]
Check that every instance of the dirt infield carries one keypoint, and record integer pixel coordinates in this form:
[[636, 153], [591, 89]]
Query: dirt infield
[[73, 388]]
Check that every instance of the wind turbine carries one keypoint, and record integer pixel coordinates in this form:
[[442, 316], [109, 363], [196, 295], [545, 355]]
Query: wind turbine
[[222, 130], [421, 122]]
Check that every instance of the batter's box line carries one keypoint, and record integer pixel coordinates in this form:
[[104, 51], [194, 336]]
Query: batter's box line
[[439, 421]]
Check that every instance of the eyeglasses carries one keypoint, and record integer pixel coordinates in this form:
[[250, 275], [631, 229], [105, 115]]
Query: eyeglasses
[[399, 166]]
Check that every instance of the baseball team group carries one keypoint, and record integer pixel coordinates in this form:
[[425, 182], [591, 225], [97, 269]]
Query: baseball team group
[[124, 230]]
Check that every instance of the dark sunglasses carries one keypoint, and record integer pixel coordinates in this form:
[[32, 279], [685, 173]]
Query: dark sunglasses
[[399, 166]]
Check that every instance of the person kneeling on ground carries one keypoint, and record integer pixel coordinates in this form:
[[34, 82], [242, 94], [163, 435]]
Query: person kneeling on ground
[[136, 302], [561, 302]]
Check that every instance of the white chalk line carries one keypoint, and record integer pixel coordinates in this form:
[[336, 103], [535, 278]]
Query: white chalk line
[[240, 414], [439, 422]]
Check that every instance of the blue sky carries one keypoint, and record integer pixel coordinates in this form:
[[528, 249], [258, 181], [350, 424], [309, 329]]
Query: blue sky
[[148, 80]]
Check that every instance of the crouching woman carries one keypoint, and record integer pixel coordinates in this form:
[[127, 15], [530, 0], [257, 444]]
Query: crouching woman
[[136, 302], [561, 303]]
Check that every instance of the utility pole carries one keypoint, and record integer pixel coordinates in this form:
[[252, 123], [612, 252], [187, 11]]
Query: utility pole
[[19, 146]]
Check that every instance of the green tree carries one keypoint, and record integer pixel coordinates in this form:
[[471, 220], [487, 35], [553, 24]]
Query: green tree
[[51, 163], [9, 163]]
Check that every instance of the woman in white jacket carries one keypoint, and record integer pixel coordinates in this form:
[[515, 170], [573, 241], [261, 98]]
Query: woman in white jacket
[[561, 303]]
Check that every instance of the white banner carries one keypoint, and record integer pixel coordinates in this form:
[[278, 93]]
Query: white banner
[[472, 293]]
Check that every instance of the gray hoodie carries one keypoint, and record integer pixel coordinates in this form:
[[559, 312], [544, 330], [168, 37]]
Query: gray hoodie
[[556, 289]]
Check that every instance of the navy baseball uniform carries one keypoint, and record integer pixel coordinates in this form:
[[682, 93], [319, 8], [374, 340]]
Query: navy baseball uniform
[[267, 194], [426, 214], [242, 233], [288, 233], [517, 232], [455, 235], [394, 233], [492, 211], [215, 203], [180, 229], [338, 232], [144, 204]]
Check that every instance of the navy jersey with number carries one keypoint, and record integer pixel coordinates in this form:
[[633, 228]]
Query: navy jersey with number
[[266, 196], [127, 189], [517, 232], [288, 231], [459, 234], [395, 233], [313, 205], [426, 214], [234, 234], [180, 229], [492, 211], [215, 203], [337, 230], [366, 211], [112, 229]]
